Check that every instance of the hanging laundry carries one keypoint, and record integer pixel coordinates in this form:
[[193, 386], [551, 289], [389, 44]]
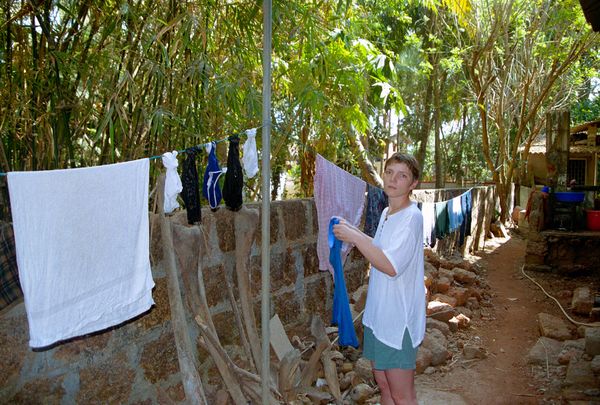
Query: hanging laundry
[[455, 214], [341, 315], [82, 244], [441, 219], [250, 154], [337, 193], [10, 289], [376, 201], [210, 188], [234, 178], [428, 212], [191, 187], [172, 181], [467, 208]]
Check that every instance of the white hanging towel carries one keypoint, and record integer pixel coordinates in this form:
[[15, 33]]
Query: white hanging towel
[[337, 193], [173, 184], [250, 154], [82, 243]]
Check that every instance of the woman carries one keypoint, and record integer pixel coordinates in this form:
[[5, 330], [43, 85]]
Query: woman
[[394, 318]]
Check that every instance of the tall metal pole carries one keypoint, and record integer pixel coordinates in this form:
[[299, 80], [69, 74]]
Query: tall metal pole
[[266, 200]]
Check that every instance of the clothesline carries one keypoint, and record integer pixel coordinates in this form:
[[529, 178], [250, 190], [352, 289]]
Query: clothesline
[[199, 146]]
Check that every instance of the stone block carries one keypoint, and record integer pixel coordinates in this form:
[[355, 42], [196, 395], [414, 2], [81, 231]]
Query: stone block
[[14, 338], [553, 327], [459, 294], [439, 325], [215, 284], [111, 382], [442, 285], [424, 358], [160, 311], [40, 391], [580, 375], [436, 343], [311, 260], [158, 359], [582, 301], [545, 349], [274, 225], [318, 292], [464, 276], [440, 311], [445, 299], [225, 229], [294, 220], [287, 307], [226, 326], [71, 351], [592, 341]]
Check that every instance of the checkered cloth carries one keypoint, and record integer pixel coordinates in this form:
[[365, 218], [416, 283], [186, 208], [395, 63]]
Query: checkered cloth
[[10, 289]]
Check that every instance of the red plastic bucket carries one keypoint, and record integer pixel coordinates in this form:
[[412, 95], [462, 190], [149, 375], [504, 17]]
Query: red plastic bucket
[[593, 220]]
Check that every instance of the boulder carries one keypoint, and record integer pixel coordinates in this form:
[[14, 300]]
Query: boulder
[[582, 301], [545, 351], [553, 327]]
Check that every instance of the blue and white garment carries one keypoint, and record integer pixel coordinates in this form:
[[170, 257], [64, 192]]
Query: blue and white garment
[[210, 188]]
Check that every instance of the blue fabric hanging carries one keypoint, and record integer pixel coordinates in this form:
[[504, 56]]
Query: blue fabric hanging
[[210, 188], [341, 315]]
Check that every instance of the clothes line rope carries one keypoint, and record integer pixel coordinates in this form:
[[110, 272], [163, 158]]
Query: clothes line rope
[[196, 147]]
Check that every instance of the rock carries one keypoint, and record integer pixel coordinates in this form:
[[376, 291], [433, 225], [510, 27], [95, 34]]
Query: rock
[[439, 325], [592, 341], [424, 358], [361, 392], [474, 352], [462, 321], [595, 314], [460, 295], [464, 276], [571, 349], [431, 273], [583, 301], [440, 311], [360, 297], [465, 311], [437, 344], [364, 369], [544, 350], [445, 299], [432, 257], [553, 327], [595, 364], [580, 375], [442, 284], [443, 272]]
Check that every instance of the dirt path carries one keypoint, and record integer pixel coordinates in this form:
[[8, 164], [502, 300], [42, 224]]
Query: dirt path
[[507, 330]]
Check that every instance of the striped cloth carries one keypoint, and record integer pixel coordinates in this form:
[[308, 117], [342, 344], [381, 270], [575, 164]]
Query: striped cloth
[[10, 289]]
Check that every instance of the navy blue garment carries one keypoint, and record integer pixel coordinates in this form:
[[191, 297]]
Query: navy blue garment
[[191, 187], [341, 316], [467, 208], [234, 178], [376, 201], [210, 187]]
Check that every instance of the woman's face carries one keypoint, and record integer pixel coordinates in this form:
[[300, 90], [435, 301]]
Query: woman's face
[[398, 180]]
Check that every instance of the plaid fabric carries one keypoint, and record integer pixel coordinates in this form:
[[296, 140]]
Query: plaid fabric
[[10, 289]]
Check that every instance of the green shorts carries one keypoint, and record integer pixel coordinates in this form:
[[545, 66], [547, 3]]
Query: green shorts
[[385, 357]]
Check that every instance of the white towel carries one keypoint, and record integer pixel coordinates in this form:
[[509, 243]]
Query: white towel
[[82, 243], [337, 193], [250, 154], [173, 184]]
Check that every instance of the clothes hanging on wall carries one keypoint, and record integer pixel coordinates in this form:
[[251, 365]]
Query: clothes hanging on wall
[[467, 209], [250, 154], [376, 201], [234, 178], [441, 219], [336, 193], [210, 187], [455, 214], [82, 244], [172, 182], [341, 314], [10, 289], [428, 211], [191, 187]]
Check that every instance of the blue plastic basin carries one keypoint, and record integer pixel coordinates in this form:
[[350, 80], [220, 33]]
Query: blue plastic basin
[[569, 196]]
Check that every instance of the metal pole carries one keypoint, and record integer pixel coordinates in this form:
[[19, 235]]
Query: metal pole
[[266, 200]]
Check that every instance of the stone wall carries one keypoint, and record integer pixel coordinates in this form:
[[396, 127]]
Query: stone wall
[[136, 362]]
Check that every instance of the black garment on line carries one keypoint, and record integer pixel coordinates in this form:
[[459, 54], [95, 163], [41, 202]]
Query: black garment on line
[[191, 187], [234, 177]]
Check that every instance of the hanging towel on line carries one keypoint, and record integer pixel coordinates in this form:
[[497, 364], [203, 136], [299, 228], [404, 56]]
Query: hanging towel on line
[[341, 314], [82, 243], [172, 181], [337, 193], [250, 154], [191, 188]]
